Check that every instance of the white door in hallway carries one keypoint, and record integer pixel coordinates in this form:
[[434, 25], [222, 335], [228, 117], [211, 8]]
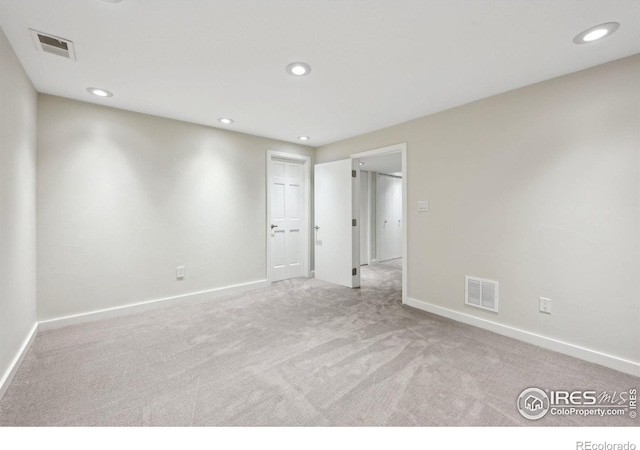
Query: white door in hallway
[[334, 232], [287, 202], [396, 218], [365, 215], [388, 217]]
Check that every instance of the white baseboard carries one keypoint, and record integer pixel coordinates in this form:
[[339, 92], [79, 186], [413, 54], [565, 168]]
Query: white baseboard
[[92, 316], [5, 381], [603, 359]]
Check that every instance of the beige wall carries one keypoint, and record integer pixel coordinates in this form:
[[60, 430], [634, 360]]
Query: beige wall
[[17, 207], [124, 198], [538, 188]]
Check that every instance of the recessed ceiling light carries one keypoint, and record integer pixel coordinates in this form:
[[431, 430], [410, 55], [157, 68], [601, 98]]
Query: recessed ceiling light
[[596, 33], [361, 163], [298, 69], [225, 120], [304, 138], [100, 92]]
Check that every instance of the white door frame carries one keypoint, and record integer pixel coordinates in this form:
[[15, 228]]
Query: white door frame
[[396, 148], [306, 208]]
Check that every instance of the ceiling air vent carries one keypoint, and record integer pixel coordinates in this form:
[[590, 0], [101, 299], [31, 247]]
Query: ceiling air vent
[[481, 293], [53, 44]]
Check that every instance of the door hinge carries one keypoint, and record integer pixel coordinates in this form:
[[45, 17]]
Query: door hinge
[[353, 222], [354, 272], [354, 173]]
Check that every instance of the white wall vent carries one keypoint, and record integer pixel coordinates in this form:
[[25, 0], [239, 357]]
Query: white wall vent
[[481, 293], [53, 44]]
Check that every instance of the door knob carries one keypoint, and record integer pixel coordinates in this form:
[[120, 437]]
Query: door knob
[[317, 227], [273, 226]]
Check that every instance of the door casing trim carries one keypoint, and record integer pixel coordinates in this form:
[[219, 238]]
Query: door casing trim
[[306, 216]]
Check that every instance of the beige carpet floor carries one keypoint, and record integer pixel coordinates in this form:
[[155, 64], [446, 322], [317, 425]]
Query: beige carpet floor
[[301, 352]]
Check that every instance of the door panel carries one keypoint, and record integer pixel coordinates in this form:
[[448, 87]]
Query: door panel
[[293, 248], [293, 202], [278, 249], [277, 201], [333, 191]]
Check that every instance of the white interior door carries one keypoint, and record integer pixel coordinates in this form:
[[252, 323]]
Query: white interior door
[[388, 217], [334, 233], [364, 217], [287, 202], [396, 217], [383, 201]]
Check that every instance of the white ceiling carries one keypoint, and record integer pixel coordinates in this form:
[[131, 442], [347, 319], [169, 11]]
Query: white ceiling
[[385, 163], [374, 63]]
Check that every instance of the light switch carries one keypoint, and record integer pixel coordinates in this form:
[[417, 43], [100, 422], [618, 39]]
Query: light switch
[[423, 206], [180, 272]]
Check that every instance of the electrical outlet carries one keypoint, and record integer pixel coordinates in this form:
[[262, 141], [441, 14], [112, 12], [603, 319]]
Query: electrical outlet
[[423, 206], [545, 305], [180, 272]]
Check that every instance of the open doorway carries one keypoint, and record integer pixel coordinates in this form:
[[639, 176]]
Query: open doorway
[[380, 204]]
